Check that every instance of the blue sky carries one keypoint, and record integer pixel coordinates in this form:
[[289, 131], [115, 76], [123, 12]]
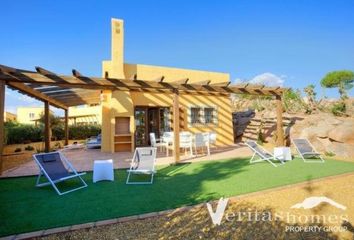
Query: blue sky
[[296, 42]]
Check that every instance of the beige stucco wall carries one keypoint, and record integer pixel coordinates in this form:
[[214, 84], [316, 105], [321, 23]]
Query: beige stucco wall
[[149, 72], [23, 114], [86, 114], [8, 117], [223, 127]]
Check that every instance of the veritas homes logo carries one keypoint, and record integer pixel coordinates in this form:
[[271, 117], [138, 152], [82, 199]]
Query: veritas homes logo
[[312, 202], [292, 219], [216, 216]]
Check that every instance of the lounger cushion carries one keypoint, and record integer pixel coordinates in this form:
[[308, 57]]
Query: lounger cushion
[[53, 165]]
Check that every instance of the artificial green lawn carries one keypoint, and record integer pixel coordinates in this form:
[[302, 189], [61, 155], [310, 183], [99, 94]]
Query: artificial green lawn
[[24, 208]]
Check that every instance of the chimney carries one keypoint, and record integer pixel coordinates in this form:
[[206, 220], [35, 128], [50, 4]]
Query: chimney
[[117, 49]]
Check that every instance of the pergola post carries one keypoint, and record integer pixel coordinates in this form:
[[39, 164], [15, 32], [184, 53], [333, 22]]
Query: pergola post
[[66, 126], [2, 106], [280, 131], [46, 127], [176, 153]]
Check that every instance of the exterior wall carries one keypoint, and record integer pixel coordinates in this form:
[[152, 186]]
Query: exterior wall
[[23, 114], [149, 72], [123, 103], [85, 114], [223, 127], [9, 117]]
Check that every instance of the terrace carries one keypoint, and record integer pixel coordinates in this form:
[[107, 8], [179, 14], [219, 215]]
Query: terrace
[[82, 159]]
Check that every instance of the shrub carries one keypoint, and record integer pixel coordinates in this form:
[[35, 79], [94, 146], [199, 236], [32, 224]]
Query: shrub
[[18, 150], [338, 109], [83, 131], [329, 154], [23, 133], [58, 132], [29, 148]]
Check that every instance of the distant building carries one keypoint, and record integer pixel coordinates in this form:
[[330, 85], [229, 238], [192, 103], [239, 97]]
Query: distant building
[[80, 115], [9, 117], [84, 115], [28, 115]]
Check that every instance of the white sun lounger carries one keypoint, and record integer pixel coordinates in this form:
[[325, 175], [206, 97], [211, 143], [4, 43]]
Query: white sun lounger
[[56, 168], [143, 162], [307, 152], [261, 153]]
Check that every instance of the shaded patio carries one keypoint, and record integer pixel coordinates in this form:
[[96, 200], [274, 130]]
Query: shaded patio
[[64, 91], [82, 159]]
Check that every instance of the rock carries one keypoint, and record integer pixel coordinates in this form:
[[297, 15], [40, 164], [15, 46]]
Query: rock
[[332, 121], [341, 149], [320, 131], [343, 133]]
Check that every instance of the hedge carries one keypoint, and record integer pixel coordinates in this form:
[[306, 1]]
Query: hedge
[[25, 133]]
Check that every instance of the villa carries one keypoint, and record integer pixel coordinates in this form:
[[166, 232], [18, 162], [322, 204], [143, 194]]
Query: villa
[[135, 100], [129, 112]]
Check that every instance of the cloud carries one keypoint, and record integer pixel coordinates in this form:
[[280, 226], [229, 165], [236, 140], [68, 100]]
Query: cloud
[[268, 79], [26, 99]]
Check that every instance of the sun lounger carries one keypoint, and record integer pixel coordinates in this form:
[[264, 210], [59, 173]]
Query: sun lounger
[[307, 152], [261, 153], [56, 168], [143, 162]]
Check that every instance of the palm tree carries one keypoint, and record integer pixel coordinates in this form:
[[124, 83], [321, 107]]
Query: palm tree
[[54, 121]]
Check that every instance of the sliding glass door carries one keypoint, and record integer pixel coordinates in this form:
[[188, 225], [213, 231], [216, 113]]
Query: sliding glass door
[[150, 120]]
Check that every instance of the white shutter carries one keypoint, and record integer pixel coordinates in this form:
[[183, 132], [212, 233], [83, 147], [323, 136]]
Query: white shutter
[[215, 115], [202, 117]]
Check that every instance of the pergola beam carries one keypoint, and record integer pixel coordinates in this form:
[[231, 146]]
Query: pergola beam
[[124, 84], [66, 127], [221, 84], [2, 109], [280, 131], [46, 127], [176, 146], [181, 81], [160, 79], [36, 94]]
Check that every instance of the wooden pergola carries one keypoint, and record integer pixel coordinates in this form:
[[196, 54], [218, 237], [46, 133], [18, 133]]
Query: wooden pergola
[[64, 91]]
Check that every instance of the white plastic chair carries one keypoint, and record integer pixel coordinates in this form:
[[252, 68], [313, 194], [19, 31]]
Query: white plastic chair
[[201, 140], [186, 142], [158, 143], [212, 138]]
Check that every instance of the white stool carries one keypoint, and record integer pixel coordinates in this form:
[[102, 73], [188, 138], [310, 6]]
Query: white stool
[[283, 153], [103, 170]]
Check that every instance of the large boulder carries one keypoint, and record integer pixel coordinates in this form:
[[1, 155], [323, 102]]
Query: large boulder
[[319, 131], [341, 149], [343, 133]]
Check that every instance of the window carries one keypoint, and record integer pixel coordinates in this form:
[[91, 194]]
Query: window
[[202, 115], [196, 115], [209, 115], [31, 115]]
